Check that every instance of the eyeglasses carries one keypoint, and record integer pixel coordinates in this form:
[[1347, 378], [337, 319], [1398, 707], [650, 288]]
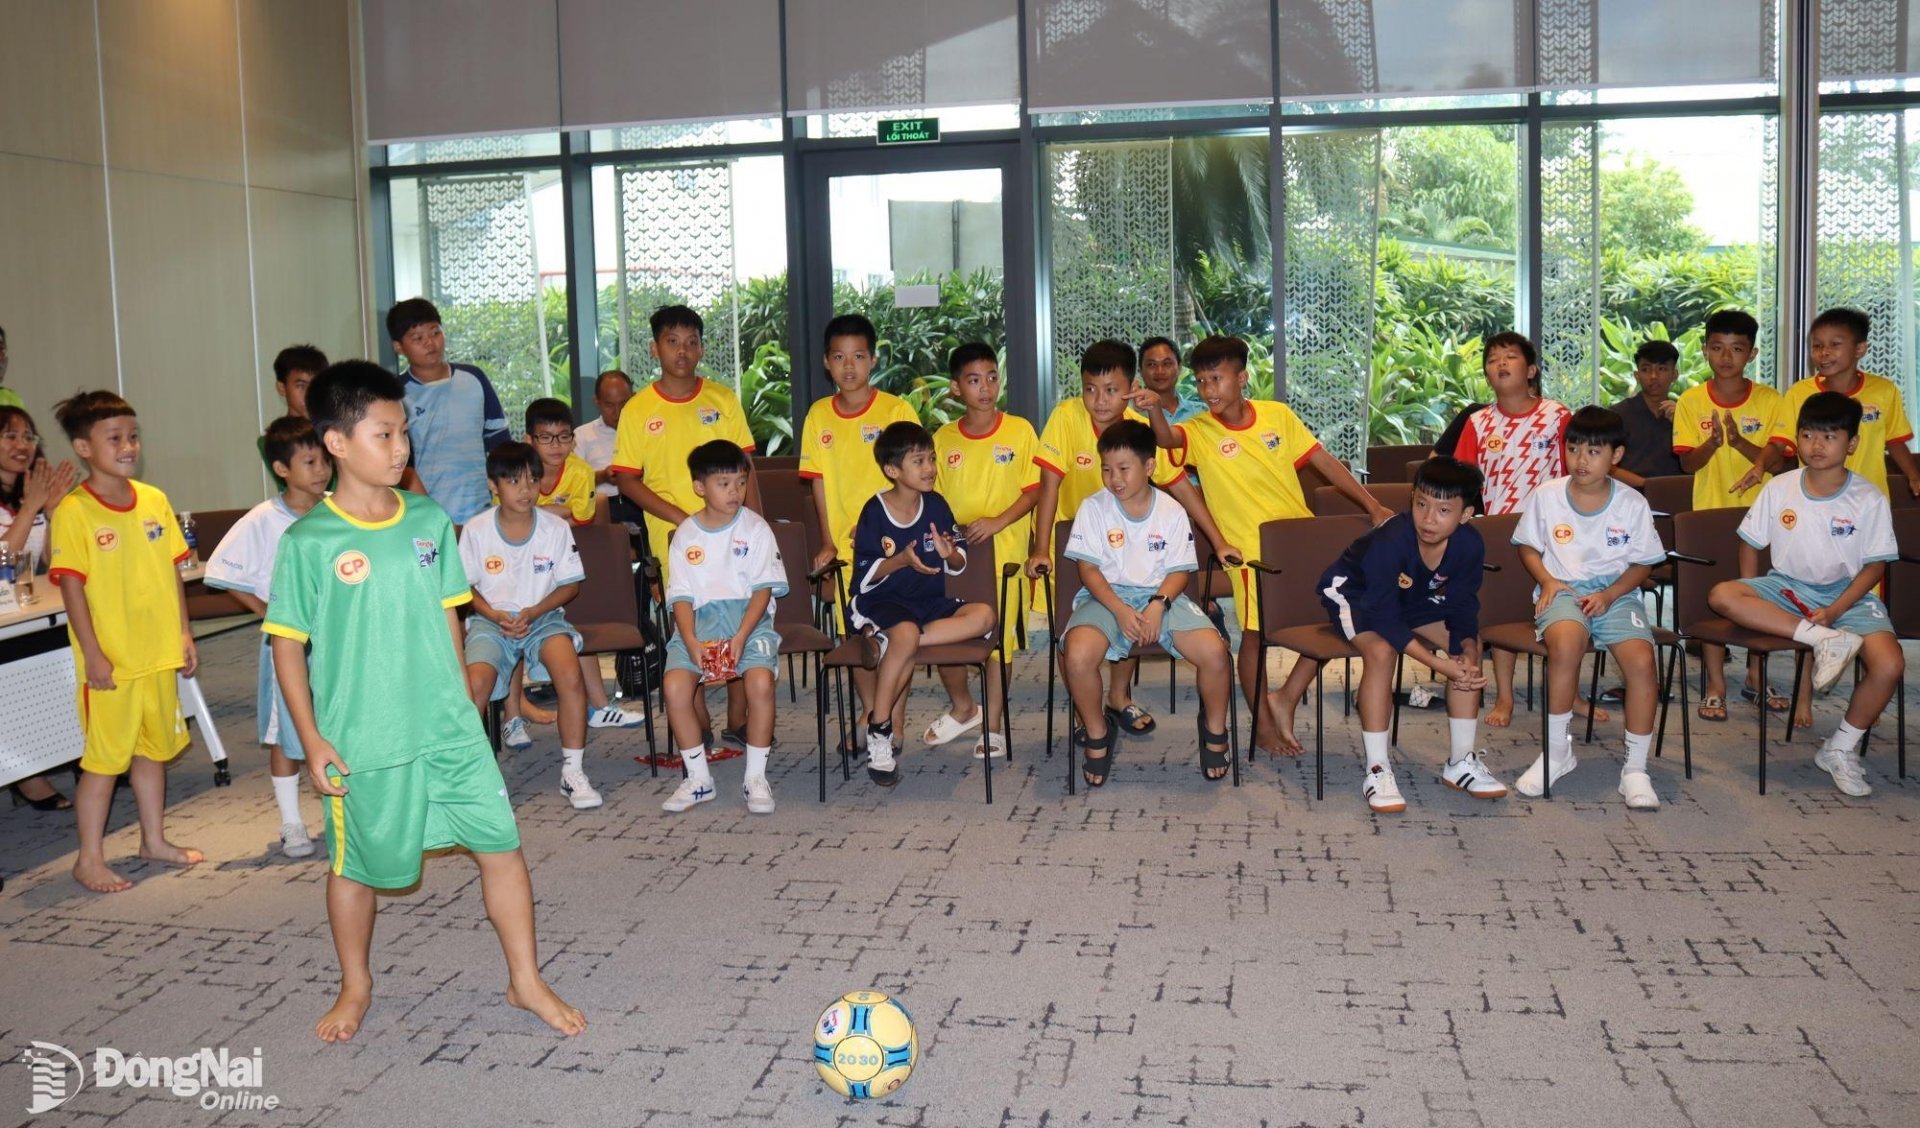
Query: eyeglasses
[[550, 440], [21, 437]]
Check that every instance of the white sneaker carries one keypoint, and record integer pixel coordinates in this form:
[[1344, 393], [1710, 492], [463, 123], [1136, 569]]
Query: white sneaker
[[880, 760], [574, 785], [1845, 769], [294, 842], [1531, 783], [1381, 792], [691, 792], [759, 794], [617, 716], [1637, 789], [1831, 655], [514, 734], [1471, 776]]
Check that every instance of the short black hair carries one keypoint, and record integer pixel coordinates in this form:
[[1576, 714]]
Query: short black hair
[[1830, 411], [1852, 320], [970, 353], [610, 374], [1215, 351], [298, 358], [899, 440], [80, 411], [288, 434], [406, 316], [1596, 426], [1655, 352], [1444, 479], [1513, 340], [675, 317], [1155, 342], [716, 457], [1102, 357], [849, 325], [1131, 435], [340, 396], [1738, 322], [548, 410], [511, 460]]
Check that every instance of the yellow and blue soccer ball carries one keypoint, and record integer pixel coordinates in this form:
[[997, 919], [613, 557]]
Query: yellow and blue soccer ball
[[864, 1045]]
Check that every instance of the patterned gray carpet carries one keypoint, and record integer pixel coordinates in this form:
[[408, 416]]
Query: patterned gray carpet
[[1163, 951]]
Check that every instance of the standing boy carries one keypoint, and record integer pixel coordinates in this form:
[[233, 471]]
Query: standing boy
[[453, 414], [242, 564], [1830, 533], [988, 475], [367, 649], [1249, 454], [1835, 345], [294, 368], [115, 549], [1589, 543], [1649, 416], [522, 565]]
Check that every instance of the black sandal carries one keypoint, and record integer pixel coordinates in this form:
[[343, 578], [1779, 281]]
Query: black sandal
[[1134, 720], [50, 802], [1094, 771], [1214, 755]]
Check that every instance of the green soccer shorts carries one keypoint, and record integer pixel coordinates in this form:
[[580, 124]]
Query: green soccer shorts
[[377, 831]]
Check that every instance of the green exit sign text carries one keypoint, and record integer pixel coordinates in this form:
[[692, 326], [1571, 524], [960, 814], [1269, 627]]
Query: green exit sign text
[[908, 131]]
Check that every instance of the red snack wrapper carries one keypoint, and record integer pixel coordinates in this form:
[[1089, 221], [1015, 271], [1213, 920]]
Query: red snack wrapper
[[718, 664]]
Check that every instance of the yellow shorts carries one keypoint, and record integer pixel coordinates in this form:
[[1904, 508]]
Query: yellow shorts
[[139, 717], [1246, 596]]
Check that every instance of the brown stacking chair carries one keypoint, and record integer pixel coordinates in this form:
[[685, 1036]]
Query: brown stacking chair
[[799, 635], [1062, 585], [1903, 609], [785, 495], [607, 611], [1706, 544], [770, 462], [1387, 465], [1330, 502], [1666, 496]]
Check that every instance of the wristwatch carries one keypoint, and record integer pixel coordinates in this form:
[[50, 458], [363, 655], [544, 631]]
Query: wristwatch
[[1166, 600]]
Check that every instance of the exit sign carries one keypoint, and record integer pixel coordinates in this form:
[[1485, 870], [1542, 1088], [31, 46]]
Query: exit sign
[[908, 131]]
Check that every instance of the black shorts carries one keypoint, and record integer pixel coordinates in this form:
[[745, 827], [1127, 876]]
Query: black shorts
[[884, 614], [1351, 620]]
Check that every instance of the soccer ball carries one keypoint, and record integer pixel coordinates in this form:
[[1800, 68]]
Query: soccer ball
[[864, 1045]]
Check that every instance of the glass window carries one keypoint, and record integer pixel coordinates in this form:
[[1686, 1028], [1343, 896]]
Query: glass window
[[953, 119], [1865, 227], [506, 145], [687, 135]]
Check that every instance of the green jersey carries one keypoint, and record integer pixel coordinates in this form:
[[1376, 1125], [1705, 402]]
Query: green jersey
[[370, 600]]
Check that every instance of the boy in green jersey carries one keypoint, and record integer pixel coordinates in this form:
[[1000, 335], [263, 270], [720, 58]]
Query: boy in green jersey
[[367, 649]]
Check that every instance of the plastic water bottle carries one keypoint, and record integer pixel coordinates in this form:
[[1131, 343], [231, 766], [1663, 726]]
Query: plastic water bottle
[[193, 541]]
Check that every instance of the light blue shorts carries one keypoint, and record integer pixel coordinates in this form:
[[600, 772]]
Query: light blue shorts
[[720, 620], [1089, 612], [276, 724], [1866, 616], [486, 644], [1624, 621]]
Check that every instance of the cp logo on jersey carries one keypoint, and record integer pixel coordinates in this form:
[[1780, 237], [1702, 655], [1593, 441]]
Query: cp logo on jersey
[[1229, 448], [953, 459], [106, 538], [656, 425], [887, 546], [1496, 444], [1563, 534], [1405, 581], [1116, 538], [695, 554], [351, 567], [494, 565], [1083, 460], [826, 439], [1788, 518]]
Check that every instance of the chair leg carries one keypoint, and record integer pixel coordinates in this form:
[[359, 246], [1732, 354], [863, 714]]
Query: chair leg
[[1664, 679], [1546, 746], [988, 758], [1530, 682], [1346, 699], [1073, 776], [1761, 700], [1173, 679], [1320, 736], [1799, 672], [1900, 697], [1006, 707], [1259, 698], [1593, 691], [792, 689], [1398, 669], [1052, 657], [1233, 717], [646, 704], [820, 720]]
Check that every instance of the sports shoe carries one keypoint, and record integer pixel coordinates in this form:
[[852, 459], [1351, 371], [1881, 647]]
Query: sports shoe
[[759, 795], [1471, 776], [880, 767], [1382, 793], [617, 716], [873, 646], [574, 785], [294, 842], [514, 734], [1533, 786], [1845, 769], [1831, 655], [1637, 789], [691, 792]]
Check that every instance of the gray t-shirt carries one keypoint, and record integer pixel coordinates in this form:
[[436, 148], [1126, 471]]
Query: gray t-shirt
[[1649, 440]]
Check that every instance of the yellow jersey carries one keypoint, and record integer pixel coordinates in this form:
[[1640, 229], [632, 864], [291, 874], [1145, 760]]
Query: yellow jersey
[[1070, 450], [1883, 421], [574, 490], [657, 432], [1755, 415], [129, 560], [1251, 473], [838, 450], [983, 475]]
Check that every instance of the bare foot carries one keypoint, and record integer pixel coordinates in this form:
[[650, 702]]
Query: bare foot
[[1289, 744], [1500, 716], [99, 878], [535, 715], [1803, 717], [547, 1006], [166, 853], [1600, 715], [342, 1021]]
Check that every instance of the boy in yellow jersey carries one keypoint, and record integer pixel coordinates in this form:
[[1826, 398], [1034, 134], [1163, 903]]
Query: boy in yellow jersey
[[1249, 453], [836, 446], [989, 477], [115, 551], [1720, 431], [1835, 344], [1070, 458], [566, 481]]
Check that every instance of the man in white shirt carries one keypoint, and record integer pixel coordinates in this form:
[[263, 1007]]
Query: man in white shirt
[[594, 439]]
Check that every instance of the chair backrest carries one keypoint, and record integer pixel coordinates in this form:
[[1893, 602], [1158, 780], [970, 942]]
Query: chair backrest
[[980, 583], [1903, 579], [1413, 465], [1709, 534], [1066, 573], [1327, 501], [1899, 497], [1310, 480], [1506, 595], [1669, 493], [795, 607], [1386, 464], [210, 527], [771, 462], [1302, 548], [785, 495], [606, 596]]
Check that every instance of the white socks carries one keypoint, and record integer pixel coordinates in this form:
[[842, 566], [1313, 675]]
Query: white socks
[[1376, 744], [757, 761], [1560, 736], [1846, 738], [286, 792], [695, 759], [1463, 732], [1811, 632], [570, 758], [1638, 745]]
